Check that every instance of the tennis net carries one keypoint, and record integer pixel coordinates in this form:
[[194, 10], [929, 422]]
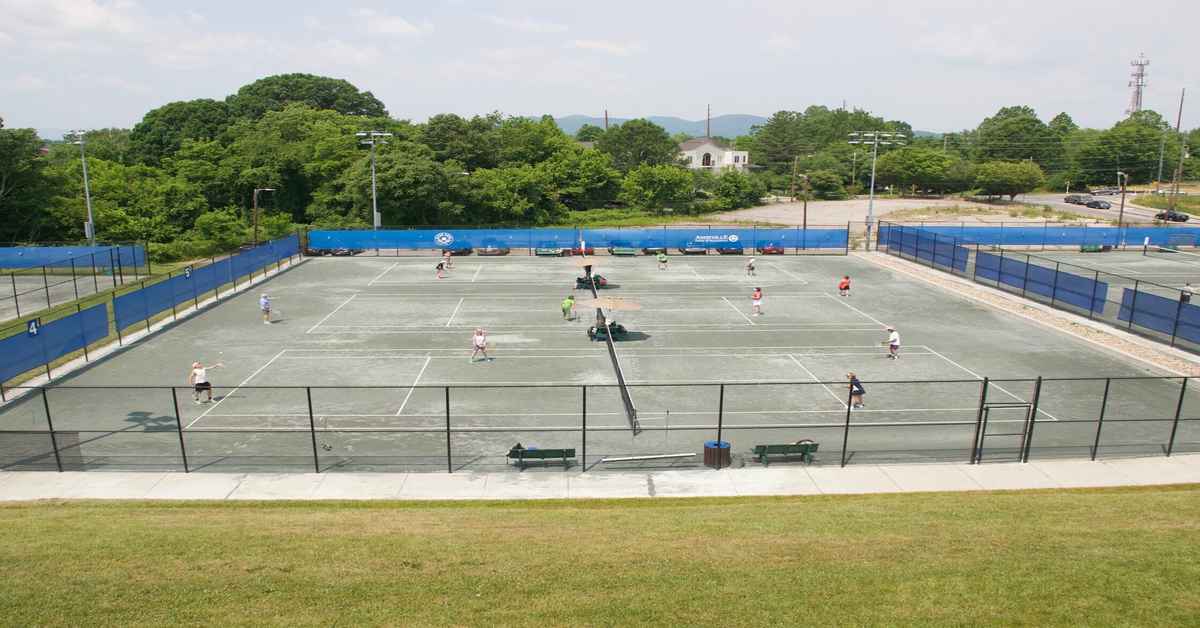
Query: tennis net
[[626, 398], [1170, 253]]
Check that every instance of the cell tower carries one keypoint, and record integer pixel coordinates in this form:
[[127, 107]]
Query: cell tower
[[1137, 82]]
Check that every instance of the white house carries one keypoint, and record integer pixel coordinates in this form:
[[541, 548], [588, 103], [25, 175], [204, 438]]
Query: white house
[[705, 153]]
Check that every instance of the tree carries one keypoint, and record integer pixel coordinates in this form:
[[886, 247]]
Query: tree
[[1016, 133], [585, 179], [914, 167], [26, 187], [223, 227], [589, 133], [516, 195], [1007, 178], [472, 142], [111, 145], [1131, 146], [826, 185], [735, 190], [789, 134], [273, 93], [162, 130], [1062, 125], [637, 143], [657, 187], [524, 141], [410, 189]]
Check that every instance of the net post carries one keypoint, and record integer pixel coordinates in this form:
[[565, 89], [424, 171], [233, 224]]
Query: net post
[[846, 429], [1033, 410], [50, 426], [312, 429], [1175, 422], [720, 422], [179, 429], [975, 444], [449, 460], [1100, 418], [74, 280], [583, 426]]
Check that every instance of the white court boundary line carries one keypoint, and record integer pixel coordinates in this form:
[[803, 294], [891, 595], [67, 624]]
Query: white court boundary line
[[450, 320], [236, 388], [990, 383], [735, 309], [789, 273], [590, 414], [816, 379], [329, 315], [541, 356], [843, 301], [478, 269], [380, 275], [695, 272], [417, 380]]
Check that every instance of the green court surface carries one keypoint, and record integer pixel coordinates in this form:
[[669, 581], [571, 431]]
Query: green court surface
[[367, 367]]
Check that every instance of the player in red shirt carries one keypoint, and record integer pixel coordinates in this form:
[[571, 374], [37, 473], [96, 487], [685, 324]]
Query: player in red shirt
[[844, 286], [756, 301]]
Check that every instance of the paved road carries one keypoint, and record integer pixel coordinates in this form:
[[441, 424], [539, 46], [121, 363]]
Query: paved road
[[1133, 213]]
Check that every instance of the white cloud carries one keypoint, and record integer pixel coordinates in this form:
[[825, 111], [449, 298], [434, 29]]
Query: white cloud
[[45, 17], [384, 24], [615, 48], [28, 83], [977, 43], [781, 43], [526, 24]]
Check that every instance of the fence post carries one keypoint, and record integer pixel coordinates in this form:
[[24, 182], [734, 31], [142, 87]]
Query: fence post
[[120, 265], [1133, 303], [179, 429], [1100, 419], [720, 422], [146, 253], [46, 286], [173, 316], [146, 303], [16, 301], [82, 334], [50, 426], [1175, 423], [212, 261], [846, 429], [584, 431], [1054, 286], [95, 279], [1025, 279], [312, 429], [449, 460], [74, 281], [976, 445], [1037, 393], [1092, 303]]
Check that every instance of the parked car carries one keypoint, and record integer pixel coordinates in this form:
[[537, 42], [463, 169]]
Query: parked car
[[1099, 204], [730, 250], [693, 250], [1106, 191], [1171, 216], [770, 249], [1077, 199]]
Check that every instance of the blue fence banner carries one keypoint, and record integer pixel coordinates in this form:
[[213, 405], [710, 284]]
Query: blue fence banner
[[145, 303], [62, 256], [535, 238], [55, 339], [1082, 292], [1165, 315], [1050, 234]]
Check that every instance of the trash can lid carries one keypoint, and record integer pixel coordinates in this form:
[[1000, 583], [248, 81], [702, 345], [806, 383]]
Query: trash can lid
[[716, 444]]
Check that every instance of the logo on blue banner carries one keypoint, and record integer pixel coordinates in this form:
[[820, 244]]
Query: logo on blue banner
[[444, 239], [33, 327], [187, 272], [704, 239]]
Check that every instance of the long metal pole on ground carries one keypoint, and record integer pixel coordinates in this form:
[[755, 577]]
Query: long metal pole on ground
[[584, 426], [50, 427], [312, 430], [1175, 423], [179, 429], [449, 460], [1100, 419]]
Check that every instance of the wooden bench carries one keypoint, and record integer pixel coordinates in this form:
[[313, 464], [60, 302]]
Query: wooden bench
[[545, 455], [623, 250], [804, 449], [1095, 248], [549, 252]]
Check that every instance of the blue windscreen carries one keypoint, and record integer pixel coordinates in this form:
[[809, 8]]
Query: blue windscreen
[[637, 237], [23, 352]]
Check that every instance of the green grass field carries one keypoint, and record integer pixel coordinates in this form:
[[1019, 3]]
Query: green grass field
[[1189, 203], [1085, 557]]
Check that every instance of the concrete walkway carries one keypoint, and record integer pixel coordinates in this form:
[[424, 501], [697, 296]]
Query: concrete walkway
[[782, 479]]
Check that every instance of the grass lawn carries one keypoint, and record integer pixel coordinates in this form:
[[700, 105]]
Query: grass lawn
[[1086, 557], [1023, 211], [1189, 203], [601, 218]]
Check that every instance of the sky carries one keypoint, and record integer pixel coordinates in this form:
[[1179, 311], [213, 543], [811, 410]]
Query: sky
[[939, 65]]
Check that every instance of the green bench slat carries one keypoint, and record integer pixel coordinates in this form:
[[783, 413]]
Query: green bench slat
[[804, 450]]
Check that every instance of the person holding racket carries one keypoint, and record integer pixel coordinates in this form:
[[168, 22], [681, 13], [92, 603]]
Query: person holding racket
[[198, 380], [844, 286], [756, 301], [893, 343], [479, 344], [264, 304]]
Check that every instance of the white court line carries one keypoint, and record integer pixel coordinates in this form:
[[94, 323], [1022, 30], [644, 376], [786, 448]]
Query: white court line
[[735, 309], [335, 311], [980, 378], [591, 414], [539, 296], [416, 381], [815, 379], [765, 328], [718, 326], [789, 273], [476, 275], [380, 276], [696, 272], [237, 388], [843, 301], [560, 428], [541, 356], [451, 320], [798, 349]]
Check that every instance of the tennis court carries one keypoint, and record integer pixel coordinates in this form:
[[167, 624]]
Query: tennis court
[[367, 367], [1158, 265]]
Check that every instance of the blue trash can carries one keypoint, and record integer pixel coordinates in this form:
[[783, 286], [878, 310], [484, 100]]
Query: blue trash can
[[717, 454]]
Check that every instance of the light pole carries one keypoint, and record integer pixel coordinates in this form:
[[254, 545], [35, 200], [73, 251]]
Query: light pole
[[254, 202], [1124, 180], [89, 227], [371, 138], [874, 138]]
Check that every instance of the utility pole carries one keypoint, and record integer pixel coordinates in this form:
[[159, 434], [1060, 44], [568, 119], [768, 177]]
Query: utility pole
[[89, 227], [254, 205], [371, 138], [1123, 179], [795, 168], [1162, 149], [708, 121], [1182, 153], [854, 168], [606, 119], [874, 138]]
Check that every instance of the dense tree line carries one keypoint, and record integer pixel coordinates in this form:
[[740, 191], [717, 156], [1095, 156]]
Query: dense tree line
[[184, 176]]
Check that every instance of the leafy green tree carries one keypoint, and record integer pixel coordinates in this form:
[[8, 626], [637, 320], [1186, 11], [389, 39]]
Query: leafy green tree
[[657, 188], [410, 185], [735, 190], [163, 130], [584, 178], [224, 227], [471, 143], [26, 187], [516, 195], [1008, 178], [1131, 146], [1016, 133], [589, 133], [524, 141], [636, 143], [1062, 125], [914, 168], [827, 185], [111, 145], [274, 93], [790, 134]]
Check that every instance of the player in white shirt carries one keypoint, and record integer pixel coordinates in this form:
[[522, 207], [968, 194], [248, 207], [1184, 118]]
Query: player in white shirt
[[893, 343], [198, 380], [479, 345], [264, 304]]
